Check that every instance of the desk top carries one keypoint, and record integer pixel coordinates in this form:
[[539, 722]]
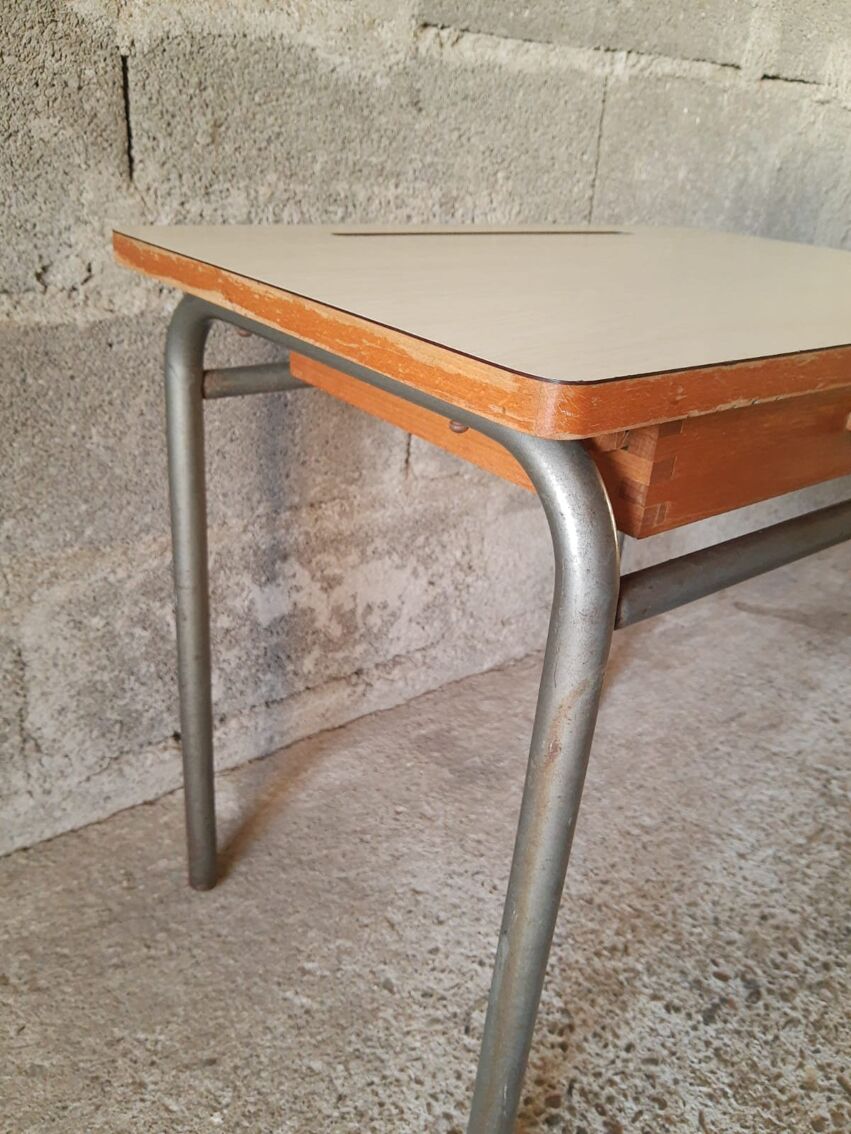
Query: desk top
[[558, 331]]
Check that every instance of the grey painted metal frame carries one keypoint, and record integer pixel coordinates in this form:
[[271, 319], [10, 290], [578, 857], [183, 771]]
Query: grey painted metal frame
[[588, 599], [581, 624], [236, 381], [666, 586], [184, 380]]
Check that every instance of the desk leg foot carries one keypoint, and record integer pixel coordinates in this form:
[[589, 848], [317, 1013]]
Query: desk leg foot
[[581, 623], [185, 427]]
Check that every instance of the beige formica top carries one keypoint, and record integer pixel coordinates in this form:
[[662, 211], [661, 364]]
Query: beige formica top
[[581, 306]]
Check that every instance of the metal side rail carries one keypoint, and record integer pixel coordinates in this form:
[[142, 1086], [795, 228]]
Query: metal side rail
[[676, 582], [265, 378]]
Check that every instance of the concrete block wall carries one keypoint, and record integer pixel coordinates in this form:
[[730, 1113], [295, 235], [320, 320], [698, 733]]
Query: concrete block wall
[[352, 567]]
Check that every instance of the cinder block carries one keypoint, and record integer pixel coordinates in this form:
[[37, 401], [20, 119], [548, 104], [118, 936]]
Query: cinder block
[[712, 30], [82, 435], [548, 21], [97, 689], [96, 644], [506, 143], [82, 428], [807, 39], [761, 160], [270, 131], [341, 611], [63, 165], [340, 590]]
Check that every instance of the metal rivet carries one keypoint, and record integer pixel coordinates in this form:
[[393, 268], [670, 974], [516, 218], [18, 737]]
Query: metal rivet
[[457, 427]]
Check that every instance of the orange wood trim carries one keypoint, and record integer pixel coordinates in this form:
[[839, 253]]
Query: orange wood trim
[[662, 476], [499, 395], [727, 460], [548, 409], [672, 474], [470, 445], [618, 467]]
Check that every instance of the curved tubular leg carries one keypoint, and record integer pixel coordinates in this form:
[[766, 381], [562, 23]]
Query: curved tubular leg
[[581, 624], [184, 375], [584, 603]]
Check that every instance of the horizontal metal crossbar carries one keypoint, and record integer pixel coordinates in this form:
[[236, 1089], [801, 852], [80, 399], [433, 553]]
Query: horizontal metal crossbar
[[676, 582], [265, 378]]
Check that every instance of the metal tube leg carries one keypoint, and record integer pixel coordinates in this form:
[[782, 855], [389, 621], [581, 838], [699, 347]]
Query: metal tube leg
[[581, 624], [185, 427]]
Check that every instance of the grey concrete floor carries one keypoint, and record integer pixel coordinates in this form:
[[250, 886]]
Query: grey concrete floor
[[336, 979]]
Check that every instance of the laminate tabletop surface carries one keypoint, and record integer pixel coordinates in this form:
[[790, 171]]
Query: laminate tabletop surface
[[542, 327]]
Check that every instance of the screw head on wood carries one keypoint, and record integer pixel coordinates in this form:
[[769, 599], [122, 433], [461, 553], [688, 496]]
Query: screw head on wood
[[458, 427]]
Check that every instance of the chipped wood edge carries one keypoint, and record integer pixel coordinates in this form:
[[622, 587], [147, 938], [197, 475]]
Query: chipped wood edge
[[557, 410]]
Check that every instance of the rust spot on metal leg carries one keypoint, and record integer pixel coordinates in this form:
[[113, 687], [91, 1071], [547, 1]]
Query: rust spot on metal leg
[[560, 719]]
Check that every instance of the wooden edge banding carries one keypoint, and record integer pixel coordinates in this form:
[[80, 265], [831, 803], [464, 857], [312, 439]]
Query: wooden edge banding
[[531, 405], [499, 395]]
